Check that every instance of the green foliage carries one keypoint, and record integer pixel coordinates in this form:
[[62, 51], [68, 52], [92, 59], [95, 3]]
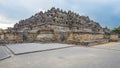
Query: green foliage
[[116, 30]]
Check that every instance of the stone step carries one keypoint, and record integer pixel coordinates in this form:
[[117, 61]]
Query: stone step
[[115, 40], [93, 42]]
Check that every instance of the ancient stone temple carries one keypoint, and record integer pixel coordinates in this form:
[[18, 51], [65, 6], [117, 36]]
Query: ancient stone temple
[[56, 25]]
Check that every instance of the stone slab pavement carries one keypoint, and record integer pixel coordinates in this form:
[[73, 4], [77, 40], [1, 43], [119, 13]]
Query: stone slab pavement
[[72, 57], [34, 47], [3, 53], [109, 46]]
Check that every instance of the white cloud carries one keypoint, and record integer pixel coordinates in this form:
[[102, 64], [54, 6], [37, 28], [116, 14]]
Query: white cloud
[[5, 22], [5, 26], [22, 9]]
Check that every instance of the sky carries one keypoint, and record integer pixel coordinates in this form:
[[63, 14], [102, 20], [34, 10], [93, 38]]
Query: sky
[[106, 12]]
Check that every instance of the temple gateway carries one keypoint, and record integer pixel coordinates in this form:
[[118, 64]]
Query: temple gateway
[[57, 26]]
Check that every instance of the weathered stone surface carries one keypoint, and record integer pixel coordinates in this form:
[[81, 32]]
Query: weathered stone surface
[[65, 26], [3, 53], [73, 57], [57, 16], [35, 47], [45, 38]]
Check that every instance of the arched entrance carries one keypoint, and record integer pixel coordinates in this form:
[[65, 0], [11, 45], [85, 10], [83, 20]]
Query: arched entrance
[[25, 36], [62, 37]]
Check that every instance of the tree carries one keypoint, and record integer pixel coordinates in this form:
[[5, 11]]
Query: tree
[[116, 30]]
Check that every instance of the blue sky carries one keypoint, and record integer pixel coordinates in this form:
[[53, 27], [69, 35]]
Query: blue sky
[[106, 12]]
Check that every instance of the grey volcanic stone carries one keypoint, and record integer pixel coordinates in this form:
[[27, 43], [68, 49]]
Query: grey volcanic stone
[[73, 57], [34, 47], [3, 53], [59, 17]]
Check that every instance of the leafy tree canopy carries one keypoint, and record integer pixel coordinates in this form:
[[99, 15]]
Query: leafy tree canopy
[[116, 30]]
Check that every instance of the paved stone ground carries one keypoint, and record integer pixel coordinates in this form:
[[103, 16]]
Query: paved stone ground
[[3, 53], [34, 47], [73, 57], [110, 46]]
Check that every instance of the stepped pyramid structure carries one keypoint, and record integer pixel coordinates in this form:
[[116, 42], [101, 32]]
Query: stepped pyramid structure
[[59, 17], [56, 25]]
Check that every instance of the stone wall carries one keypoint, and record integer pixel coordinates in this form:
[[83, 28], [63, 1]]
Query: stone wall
[[44, 35], [57, 36], [80, 37], [32, 37], [114, 36], [1, 36], [56, 25], [19, 37], [61, 36], [12, 37]]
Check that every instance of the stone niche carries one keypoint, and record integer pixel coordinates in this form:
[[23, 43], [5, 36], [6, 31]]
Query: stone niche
[[45, 35], [61, 36], [32, 36]]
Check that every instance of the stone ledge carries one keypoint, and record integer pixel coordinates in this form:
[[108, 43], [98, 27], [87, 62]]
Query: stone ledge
[[115, 40]]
